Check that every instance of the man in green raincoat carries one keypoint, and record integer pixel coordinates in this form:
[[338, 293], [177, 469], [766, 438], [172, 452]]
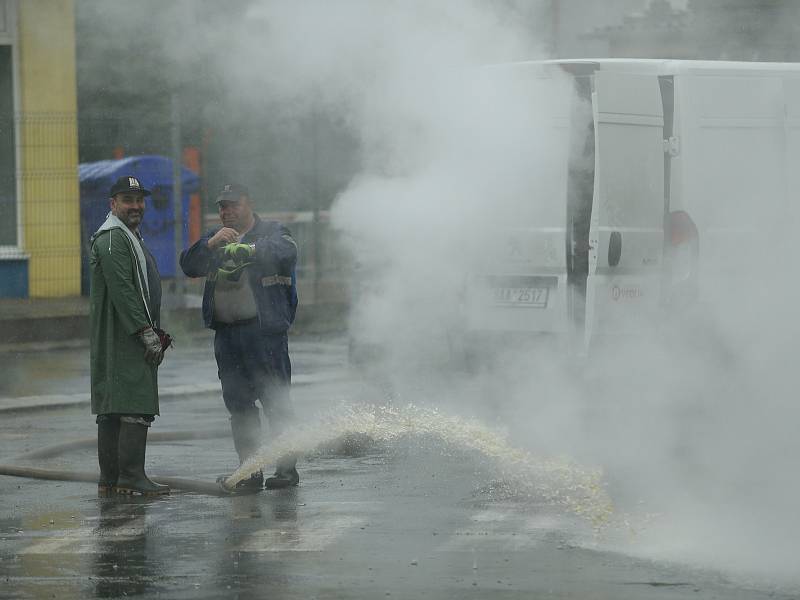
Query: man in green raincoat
[[126, 347]]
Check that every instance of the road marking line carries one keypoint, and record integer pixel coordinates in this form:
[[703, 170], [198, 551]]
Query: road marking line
[[300, 537], [84, 540], [483, 532], [72, 542]]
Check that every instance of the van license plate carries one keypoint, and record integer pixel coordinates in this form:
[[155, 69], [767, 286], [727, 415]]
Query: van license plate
[[531, 297]]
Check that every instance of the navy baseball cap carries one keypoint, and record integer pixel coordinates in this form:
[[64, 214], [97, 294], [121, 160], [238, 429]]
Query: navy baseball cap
[[232, 192], [127, 184]]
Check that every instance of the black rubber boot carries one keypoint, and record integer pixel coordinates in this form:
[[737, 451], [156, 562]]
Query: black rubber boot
[[286, 474], [107, 453], [132, 447], [246, 430]]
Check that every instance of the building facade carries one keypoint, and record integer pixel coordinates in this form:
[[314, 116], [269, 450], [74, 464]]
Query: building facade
[[39, 192]]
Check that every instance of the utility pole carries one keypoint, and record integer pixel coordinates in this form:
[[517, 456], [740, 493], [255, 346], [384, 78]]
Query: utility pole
[[177, 198], [555, 14], [317, 230]]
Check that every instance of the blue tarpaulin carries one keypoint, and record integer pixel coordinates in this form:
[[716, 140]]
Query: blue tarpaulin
[[158, 225]]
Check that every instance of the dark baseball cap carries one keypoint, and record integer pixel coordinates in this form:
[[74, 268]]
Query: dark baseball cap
[[128, 183], [231, 192]]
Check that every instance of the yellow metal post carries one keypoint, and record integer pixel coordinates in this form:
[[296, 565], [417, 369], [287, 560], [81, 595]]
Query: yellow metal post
[[48, 137]]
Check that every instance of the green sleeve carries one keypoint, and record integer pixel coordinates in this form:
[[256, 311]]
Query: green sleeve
[[118, 272]]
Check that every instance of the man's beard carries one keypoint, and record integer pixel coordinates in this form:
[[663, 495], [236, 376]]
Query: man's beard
[[132, 220]]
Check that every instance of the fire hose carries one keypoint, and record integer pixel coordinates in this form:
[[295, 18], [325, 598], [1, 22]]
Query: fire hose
[[176, 483]]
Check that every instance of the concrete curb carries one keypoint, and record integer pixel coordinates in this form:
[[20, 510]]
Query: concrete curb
[[34, 403]]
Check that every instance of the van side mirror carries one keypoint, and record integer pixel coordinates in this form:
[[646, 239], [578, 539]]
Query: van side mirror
[[614, 248]]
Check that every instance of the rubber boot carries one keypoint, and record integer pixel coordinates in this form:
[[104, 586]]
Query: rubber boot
[[286, 474], [246, 430], [281, 415], [107, 453], [132, 447]]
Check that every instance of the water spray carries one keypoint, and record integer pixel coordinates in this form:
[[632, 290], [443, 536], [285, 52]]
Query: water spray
[[558, 481]]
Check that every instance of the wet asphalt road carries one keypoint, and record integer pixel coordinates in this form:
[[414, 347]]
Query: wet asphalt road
[[408, 519]]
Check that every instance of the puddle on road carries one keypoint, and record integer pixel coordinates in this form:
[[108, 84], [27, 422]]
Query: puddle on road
[[512, 473], [40, 373]]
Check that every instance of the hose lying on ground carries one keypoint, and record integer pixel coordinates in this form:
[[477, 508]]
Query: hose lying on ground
[[176, 483], [154, 437]]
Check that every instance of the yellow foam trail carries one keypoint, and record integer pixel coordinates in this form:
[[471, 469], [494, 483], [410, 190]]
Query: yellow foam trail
[[554, 480]]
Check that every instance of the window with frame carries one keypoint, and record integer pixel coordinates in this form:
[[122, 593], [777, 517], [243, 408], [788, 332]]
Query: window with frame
[[8, 185]]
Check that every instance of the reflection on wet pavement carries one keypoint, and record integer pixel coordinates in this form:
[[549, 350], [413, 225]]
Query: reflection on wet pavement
[[121, 535], [406, 518], [401, 520]]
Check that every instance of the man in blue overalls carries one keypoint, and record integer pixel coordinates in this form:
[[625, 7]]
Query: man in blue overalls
[[250, 301]]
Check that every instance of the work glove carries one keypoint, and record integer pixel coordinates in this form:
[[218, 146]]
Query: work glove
[[166, 339], [232, 274], [239, 253], [153, 348]]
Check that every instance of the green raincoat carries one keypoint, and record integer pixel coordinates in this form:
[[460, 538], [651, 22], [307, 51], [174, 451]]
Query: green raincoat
[[122, 381]]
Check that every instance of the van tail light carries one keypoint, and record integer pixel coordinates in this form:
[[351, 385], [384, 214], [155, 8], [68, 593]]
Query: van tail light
[[682, 229], [682, 254]]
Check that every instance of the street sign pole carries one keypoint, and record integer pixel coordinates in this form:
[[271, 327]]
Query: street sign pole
[[177, 196]]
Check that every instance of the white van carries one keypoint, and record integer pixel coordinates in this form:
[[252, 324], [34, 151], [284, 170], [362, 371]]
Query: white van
[[668, 188]]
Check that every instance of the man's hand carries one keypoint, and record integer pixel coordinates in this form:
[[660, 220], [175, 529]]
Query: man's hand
[[225, 236], [153, 349], [239, 253], [166, 339]]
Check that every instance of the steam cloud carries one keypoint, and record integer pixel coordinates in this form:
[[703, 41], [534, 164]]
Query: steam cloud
[[450, 155], [697, 423]]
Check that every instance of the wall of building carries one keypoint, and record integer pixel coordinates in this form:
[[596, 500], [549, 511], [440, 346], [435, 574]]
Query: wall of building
[[48, 146]]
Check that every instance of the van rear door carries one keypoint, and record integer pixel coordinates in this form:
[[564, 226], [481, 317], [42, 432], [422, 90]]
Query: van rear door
[[522, 287], [626, 234]]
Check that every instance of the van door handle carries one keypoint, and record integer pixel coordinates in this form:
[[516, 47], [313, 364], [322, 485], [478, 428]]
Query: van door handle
[[614, 248]]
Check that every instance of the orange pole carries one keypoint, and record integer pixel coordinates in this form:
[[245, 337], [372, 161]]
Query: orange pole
[[191, 160]]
